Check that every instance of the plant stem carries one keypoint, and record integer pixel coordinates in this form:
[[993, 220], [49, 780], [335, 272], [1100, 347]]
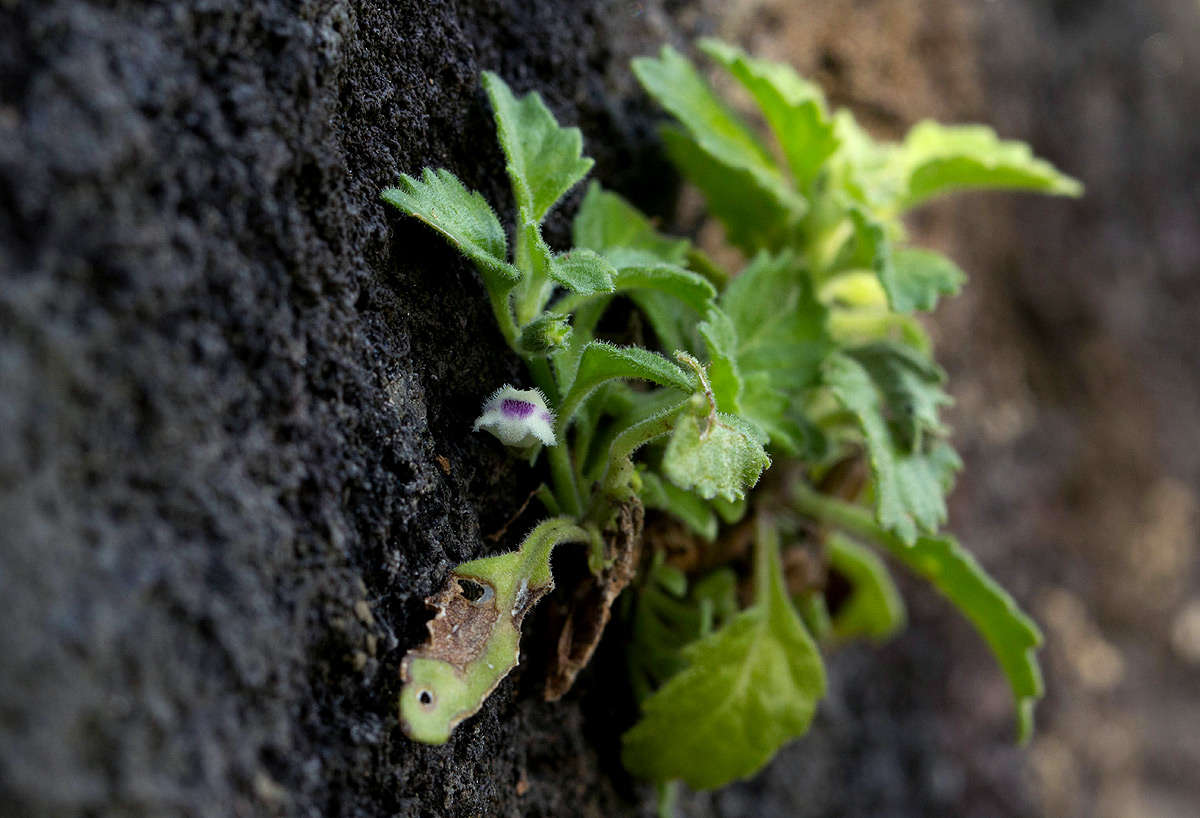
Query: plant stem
[[562, 475], [851, 518]]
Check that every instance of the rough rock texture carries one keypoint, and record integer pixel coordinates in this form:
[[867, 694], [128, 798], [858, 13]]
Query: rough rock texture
[[236, 394], [228, 375]]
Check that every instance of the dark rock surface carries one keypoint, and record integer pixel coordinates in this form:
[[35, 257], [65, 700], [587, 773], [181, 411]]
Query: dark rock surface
[[226, 376]]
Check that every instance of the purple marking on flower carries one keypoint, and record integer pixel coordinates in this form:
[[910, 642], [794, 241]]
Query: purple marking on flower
[[518, 417], [517, 408]]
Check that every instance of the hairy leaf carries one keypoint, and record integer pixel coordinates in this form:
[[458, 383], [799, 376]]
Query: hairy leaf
[[910, 487], [719, 455], [583, 271], [793, 107], [602, 362], [544, 160], [911, 387], [676, 282], [463, 216], [674, 82], [721, 342], [747, 689], [721, 155]]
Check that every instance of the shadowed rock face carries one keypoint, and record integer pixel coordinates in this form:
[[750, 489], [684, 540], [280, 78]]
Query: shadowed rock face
[[227, 376]]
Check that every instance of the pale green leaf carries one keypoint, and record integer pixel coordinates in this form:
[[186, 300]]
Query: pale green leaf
[[874, 609], [747, 689], [793, 107], [921, 277], [463, 216], [938, 159], [583, 271], [714, 456], [544, 160], [720, 154]]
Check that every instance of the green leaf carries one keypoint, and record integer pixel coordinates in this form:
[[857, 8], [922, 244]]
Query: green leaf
[[606, 221], [1012, 636], [674, 82], [721, 155], [871, 248], [780, 324], [463, 216], [793, 107], [714, 456], [771, 410], [676, 282], [910, 487], [602, 362], [544, 160], [685, 506], [671, 322], [874, 609], [911, 386], [747, 689], [921, 277], [938, 159], [668, 616], [757, 214], [583, 271], [863, 168], [721, 341]]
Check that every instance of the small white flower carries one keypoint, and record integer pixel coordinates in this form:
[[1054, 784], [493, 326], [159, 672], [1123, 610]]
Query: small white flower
[[518, 417]]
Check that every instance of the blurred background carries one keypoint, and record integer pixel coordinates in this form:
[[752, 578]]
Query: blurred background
[[1074, 358]]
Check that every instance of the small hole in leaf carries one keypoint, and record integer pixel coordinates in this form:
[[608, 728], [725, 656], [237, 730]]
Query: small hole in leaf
[[471, 590], [425, 698]]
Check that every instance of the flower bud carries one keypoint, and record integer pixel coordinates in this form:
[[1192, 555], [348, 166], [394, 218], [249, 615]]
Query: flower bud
[[546, 333]]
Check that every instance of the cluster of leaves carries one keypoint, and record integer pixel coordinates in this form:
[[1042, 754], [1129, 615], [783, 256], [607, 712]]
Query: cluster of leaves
[[810, 356]]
